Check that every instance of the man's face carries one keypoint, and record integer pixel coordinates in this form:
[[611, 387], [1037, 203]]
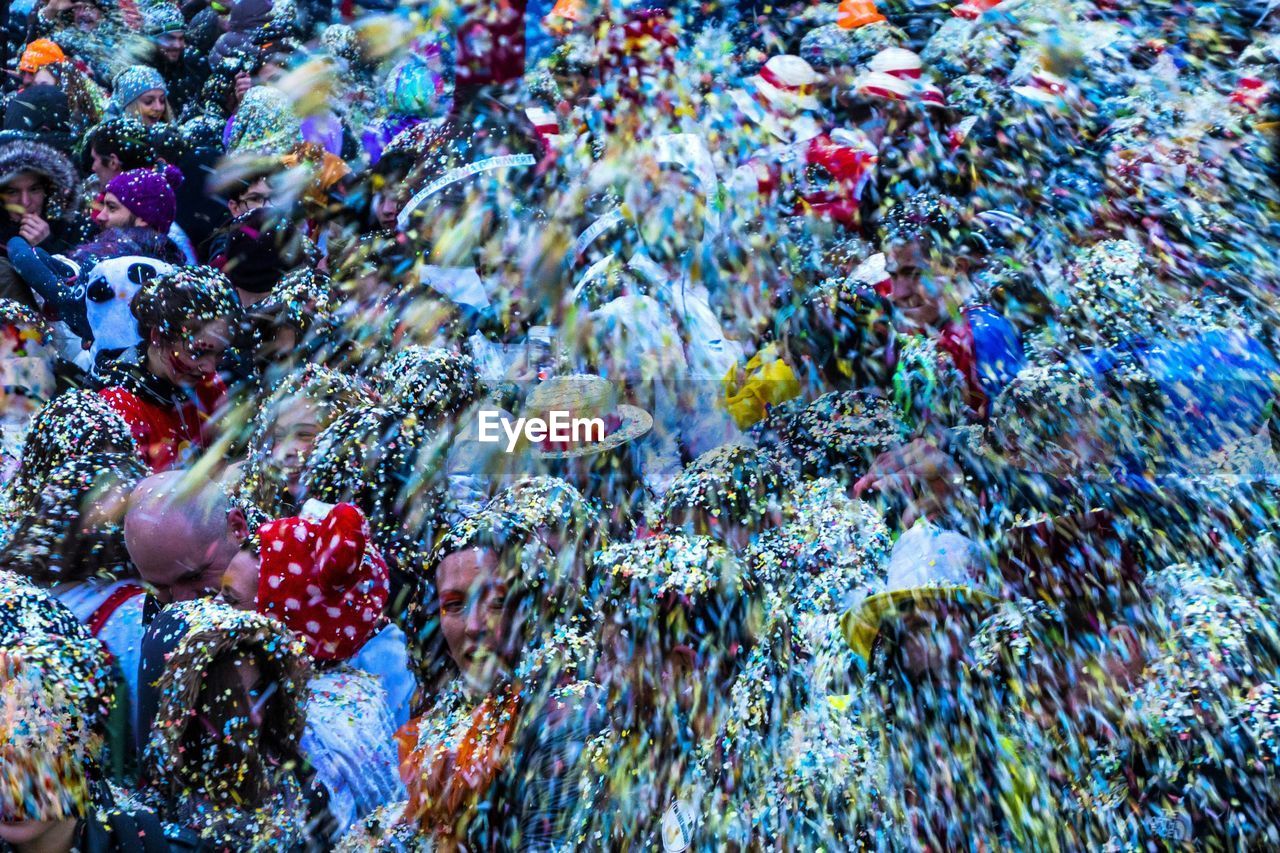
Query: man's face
[[105, 167], [176, 560], [473, 601], [932, 640], [113, 214], [87, 15], [171, 45], [24, 195], [258, 194], [915, 295]]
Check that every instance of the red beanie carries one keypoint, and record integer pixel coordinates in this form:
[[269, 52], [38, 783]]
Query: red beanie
[[324, 580]]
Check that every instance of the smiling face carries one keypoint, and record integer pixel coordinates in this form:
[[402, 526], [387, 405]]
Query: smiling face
[[293, 437], [916, 296], [151, 106], [473, 599], [171, 45], [192, 359], [87, 15]]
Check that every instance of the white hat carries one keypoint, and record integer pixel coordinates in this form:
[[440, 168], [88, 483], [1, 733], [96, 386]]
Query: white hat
[[878, 84], [930, 95], [928, 565], [786, 81], [1044, 87], [872, 272], [897, 61]]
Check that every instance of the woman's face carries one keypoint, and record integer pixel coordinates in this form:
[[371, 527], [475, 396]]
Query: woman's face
[[151, 106], [31, 832], [240, 581], [44, 77], [194, 359], [293, 437], [231, 712], [473, 598]]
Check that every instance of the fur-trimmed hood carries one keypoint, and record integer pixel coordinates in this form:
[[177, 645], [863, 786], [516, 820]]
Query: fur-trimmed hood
[[26, 156]]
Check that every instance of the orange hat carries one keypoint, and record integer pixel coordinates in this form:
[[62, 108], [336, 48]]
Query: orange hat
[[40, 53], [568, 10], [858, 13], [974, 8]]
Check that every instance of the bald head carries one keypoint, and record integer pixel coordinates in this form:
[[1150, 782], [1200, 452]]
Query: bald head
[[182, 534]]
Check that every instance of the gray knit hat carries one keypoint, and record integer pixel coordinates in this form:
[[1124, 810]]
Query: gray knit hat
[[132, 83], [162, 18]]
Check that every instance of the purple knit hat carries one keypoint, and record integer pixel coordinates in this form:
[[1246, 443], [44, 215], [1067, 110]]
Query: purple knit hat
[[148, 194]]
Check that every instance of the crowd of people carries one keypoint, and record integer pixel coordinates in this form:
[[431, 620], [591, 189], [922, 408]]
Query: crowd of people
[[919, 489]]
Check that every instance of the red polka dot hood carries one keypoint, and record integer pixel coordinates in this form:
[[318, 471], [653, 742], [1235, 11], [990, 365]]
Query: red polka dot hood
[[325, 580]]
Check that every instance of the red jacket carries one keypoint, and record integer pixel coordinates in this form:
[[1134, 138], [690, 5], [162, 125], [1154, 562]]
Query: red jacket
[[169, 429]]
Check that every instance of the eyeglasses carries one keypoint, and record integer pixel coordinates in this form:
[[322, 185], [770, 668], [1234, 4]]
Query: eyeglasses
[[255, 200]]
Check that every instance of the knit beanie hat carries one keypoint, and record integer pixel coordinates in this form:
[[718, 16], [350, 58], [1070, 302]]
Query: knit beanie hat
[[148, 194], [261, 250], [324, 579], [40, 113], [162, 18], [416, 87], [134, 82], [265, 124], [40, 53]]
